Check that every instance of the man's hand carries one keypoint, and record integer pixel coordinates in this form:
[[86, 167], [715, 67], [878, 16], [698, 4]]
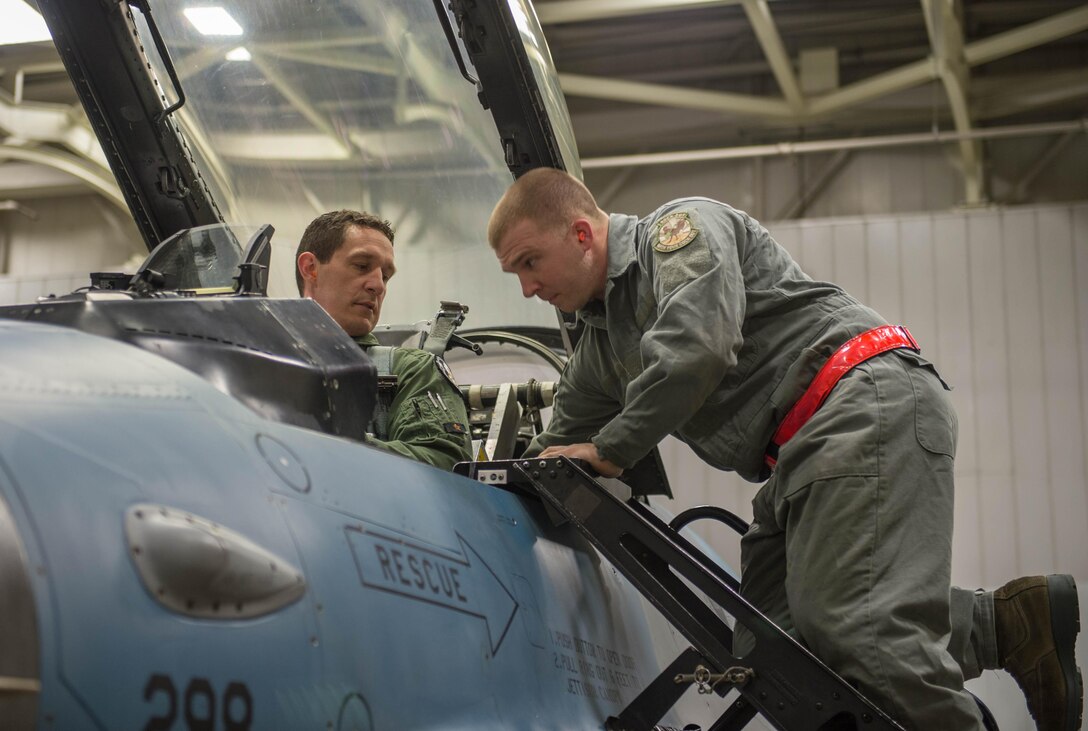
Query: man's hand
[[588, 452]]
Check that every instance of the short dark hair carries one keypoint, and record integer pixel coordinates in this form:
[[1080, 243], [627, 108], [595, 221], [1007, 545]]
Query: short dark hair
[[325, 235]]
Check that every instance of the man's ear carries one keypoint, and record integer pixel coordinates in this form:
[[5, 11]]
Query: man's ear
[[583, 232], [307, 267]]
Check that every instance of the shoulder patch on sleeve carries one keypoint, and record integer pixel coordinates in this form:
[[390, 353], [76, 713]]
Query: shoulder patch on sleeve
[[445, 371], [673, 232]]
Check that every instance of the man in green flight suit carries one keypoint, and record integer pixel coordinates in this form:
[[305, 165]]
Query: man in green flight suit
[[344, 262], [698, 324]]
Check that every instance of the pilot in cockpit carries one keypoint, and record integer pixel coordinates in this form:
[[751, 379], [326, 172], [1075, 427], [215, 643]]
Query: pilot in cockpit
[[344, 263]]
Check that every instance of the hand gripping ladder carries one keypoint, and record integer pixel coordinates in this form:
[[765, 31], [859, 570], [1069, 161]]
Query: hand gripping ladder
[[779, 678]]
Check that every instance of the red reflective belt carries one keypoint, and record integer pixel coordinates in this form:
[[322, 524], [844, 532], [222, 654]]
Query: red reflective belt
[[857, 349]]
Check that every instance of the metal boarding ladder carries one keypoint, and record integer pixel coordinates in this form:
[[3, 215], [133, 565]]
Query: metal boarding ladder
[[779, 678]]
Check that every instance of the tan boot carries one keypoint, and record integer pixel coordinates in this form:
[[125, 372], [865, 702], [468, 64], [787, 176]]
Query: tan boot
[[1037, 620]]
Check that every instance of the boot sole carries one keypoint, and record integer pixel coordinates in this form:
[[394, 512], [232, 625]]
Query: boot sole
[[1065, 623]]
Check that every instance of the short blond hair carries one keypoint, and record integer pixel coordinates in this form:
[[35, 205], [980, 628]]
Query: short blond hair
[[549, 198]]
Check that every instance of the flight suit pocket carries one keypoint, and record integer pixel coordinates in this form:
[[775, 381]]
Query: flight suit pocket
[[424, 408], [423, 416], [934, 419]]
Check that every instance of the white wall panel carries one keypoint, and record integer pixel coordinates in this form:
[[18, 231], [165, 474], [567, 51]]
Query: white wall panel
[[1066, 439], [851, 259], [790, 238], [818, 251], [1027, 402], [25, 289], [77, 233], [989, 340], [1080, 286], [883, 268], [956, 360]]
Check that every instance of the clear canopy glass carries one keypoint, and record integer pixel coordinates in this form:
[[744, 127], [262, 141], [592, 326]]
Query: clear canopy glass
[[341, 104]]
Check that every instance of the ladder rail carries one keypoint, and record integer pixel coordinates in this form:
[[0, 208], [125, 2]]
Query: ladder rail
[[788, 685]]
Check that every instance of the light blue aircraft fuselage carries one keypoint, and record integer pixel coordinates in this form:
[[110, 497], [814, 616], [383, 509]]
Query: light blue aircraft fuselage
[[397, 596]]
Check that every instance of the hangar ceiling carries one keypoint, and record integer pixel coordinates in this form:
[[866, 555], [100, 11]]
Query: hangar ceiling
[[656, 80], [660, 76]]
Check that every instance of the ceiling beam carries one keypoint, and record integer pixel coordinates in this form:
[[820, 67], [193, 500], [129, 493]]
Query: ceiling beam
[[850, 143], [975, 54], [904, 77], [65, 125], [638, 92], [759, 15], [100, 179], [22, 181], [308, 146], [303, 105], [816, 108], [1057, 88], [575, 11], [197, 61], [345, 37], [433, 74], [57, 123], [946, 38], [351, 60], [1027, 36]]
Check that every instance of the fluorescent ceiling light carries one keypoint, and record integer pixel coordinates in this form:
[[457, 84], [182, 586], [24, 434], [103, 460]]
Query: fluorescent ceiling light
[[213, 21], [22, 24], [239, 54]]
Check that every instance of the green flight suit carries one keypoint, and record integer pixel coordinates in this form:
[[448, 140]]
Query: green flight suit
[[428, 419], [710, 331]]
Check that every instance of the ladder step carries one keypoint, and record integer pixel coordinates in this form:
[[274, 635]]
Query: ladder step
[[785, 682]]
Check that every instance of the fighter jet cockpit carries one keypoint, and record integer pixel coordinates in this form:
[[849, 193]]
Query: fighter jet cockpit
[[200, 300], [230, 128]]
